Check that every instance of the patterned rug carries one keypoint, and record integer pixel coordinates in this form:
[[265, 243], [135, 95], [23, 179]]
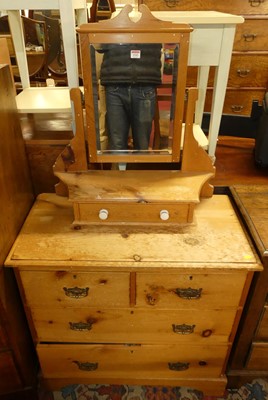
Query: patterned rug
[[256, 390]]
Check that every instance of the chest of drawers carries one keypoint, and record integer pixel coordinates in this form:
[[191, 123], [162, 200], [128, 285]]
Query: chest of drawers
[[248, 79], [250, 355], [133, 305]]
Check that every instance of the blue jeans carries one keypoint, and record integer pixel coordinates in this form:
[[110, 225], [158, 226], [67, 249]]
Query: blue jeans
[[130, 106]]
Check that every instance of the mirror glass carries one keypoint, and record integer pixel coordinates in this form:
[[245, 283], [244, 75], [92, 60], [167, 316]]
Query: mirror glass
[[133, 88]]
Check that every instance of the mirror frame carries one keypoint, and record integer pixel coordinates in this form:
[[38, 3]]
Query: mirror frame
[[122, 29]]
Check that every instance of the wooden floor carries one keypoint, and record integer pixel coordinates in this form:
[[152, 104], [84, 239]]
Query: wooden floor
[[47, 135]]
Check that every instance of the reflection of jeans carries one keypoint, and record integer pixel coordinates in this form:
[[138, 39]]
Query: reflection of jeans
[[130, 106]]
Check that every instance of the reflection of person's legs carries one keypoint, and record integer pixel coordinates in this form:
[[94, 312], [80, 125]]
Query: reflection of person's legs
[[117, 103], [143, 109]]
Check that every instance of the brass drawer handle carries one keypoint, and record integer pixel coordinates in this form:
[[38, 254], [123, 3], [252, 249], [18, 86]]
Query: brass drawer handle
[[80, 326], [189, 293], [76, 292], [86, 366], [243, 72], [172, 3], [178, 366], [255, 3], [249, 37], [236, 108], [183, 329]]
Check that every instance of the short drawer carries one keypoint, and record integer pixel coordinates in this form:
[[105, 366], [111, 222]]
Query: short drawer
[[130, 360], [137, 326], [9, 376], [67, 289], [262, 329], [258, 357], [248, 70], [239, 7], [252, 35], [193, 291]]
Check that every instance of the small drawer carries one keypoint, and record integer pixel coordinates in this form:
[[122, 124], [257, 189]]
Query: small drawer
[[262, 329], [74, 289], [134, 212], [252, 35], [137, 326], [258, 357], [193, 291], [130, 360]]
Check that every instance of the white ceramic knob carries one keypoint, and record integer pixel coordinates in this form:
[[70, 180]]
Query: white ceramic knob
[[164, 215], [103, 214]]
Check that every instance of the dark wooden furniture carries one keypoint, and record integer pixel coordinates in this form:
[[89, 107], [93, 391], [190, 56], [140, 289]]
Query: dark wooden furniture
[[247, 81], [17, 357], [250, 357]]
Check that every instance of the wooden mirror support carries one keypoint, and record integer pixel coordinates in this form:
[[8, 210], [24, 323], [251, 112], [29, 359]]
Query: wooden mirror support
[[151, 195]]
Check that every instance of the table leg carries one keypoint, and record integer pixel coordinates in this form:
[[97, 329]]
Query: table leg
[[220, 84], [16, 29]]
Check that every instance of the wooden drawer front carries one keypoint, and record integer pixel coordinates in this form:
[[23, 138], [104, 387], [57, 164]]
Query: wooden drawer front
[[133, 212], [137, 326], [258, 357], [173, 291], [248, 70], [262, 330], [252, 35], [122, 361], [67, 289], [237, 101], [231, 6], [9, 377]]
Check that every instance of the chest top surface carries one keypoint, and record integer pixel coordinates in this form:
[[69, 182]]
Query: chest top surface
[[215, 240], [253, 203]]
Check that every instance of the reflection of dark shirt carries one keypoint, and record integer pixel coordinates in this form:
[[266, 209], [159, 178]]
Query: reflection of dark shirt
[[137, 63]]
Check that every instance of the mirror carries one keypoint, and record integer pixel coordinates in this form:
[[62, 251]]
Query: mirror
[[134, 91], [134, 76]]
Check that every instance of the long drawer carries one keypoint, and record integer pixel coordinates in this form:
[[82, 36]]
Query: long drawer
[[233, 6], [238, 101], [248, 70], [68, 289], [122, 361], [135, 326], [252, 35], [195, 291]]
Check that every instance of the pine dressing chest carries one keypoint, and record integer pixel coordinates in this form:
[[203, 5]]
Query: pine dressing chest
[[133, 305], [126, 276]]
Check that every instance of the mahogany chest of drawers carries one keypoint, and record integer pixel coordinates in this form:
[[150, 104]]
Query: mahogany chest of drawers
[[250, 353], [133, 305], [248, 79]]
